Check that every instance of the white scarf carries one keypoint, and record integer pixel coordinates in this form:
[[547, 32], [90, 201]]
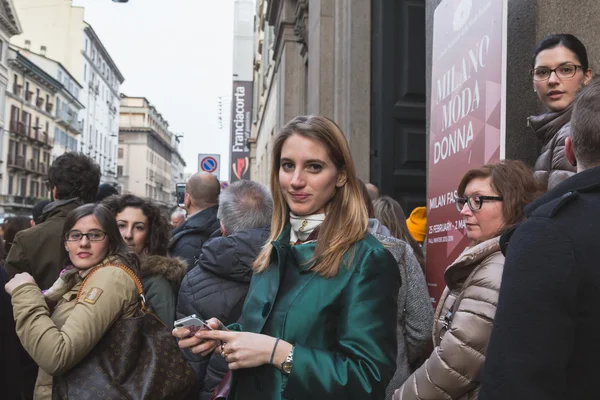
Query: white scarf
[[303, 226]]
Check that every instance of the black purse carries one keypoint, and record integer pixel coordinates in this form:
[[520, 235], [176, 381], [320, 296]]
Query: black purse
[[137, 359]]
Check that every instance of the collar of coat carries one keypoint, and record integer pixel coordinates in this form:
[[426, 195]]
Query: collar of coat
[[302, 254], [200, 222], [171, 268], [547, 125], [60, 207], [472, 256], [584, 181]]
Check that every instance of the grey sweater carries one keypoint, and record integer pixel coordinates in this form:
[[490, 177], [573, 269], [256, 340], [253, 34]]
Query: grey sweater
[[415, 312]]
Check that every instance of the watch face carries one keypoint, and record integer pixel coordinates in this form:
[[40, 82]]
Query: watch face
[[287, 367]]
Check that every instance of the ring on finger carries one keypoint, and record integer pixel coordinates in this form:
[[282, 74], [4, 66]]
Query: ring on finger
[[222, 349], [225, 355]]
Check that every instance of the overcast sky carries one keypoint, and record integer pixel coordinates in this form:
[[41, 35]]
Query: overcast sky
[[178, 54]]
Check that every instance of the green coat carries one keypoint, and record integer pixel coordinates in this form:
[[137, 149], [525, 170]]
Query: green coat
[[343, 328]]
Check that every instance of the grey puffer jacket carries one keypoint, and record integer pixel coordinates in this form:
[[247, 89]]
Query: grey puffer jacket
[[415, 313], [552, 166]]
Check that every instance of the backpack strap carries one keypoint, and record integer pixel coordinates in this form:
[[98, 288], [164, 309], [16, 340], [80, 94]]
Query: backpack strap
[[128, 271]]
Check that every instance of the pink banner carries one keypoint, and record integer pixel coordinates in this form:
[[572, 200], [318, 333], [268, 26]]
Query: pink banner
[[466, 121]]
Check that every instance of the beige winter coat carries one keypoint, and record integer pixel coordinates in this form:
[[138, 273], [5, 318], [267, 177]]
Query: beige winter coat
[[58, 342], [452, 371]]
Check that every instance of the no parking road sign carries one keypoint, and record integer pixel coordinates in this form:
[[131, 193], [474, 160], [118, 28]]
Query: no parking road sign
[[210, 163]]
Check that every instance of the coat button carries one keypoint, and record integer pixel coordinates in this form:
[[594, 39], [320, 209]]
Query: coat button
[[258, 383], [266, 309]]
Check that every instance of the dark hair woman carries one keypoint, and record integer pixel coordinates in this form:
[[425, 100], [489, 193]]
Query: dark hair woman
[[146, 233], [320, 317], [490, 199], [12, 226], [559, 70], [92, 243]]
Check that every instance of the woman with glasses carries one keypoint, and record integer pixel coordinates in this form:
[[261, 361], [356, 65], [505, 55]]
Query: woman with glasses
[[55, 329], [559, 69], [490, 199]]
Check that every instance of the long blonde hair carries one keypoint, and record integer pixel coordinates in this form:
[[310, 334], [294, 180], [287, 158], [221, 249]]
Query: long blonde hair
[[346, 221]]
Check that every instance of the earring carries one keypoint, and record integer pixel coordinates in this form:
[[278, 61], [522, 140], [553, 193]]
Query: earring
[[67, 249]]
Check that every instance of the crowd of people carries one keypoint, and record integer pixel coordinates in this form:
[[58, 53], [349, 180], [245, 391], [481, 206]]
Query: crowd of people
[[315, 287]]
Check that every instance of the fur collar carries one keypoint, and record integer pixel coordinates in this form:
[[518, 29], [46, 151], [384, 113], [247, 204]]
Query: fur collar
[[173, 269]]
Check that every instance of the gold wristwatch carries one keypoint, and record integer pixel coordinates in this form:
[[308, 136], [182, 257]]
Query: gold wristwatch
[[286, 366]]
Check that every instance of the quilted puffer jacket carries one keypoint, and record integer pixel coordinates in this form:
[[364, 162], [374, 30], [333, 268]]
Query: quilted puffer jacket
[[552, 128], [460, 334]]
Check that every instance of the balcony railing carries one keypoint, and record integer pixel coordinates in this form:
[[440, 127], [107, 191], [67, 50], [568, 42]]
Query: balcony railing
[[18, 161], [39, 102], [17, 89], [49, 107], [28, 95], [8, 199], [17, 127], [42, 169]]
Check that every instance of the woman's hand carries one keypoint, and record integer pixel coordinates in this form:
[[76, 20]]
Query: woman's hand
[[199, 345], [245, 349], [17, 281]]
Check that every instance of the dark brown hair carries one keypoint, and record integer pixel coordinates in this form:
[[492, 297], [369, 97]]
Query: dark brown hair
[[12, 226], [512, 180], [158, 226], [108, 222], [390, 213]]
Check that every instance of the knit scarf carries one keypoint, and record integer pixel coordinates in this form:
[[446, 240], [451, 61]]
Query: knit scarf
[[303, 226]]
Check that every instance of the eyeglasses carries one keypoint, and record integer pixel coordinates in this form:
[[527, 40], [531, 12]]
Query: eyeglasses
[[563, 71], [474, 202], [92, 236]]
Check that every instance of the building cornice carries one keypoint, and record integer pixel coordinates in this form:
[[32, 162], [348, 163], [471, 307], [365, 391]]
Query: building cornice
[[28, 67], [10, 22], [90, 31]]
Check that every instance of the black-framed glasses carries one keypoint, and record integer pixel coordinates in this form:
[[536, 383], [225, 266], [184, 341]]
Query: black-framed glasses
[[563, 71], [474, 202], [95, 235]]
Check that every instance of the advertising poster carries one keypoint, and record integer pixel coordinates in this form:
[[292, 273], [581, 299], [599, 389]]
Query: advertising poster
[[241, 126], [467, 118]]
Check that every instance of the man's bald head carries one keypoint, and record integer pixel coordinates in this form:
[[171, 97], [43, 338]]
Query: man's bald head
[[203, 189]]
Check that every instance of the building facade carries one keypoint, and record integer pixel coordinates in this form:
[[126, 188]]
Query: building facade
[[146, 152], [30, 102], [68, 128], [68, 39], [348, 61]]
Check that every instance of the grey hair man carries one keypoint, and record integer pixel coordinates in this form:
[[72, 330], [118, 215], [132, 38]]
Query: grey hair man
[[177, 218], [218, 284], [244, 205]]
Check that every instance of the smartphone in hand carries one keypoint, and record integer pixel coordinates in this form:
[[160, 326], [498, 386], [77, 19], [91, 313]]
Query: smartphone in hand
[[193, 323]]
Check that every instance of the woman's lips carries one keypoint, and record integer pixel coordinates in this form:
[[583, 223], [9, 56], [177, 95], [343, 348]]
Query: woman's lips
[[299, 196], [555, 95], [83, 255]]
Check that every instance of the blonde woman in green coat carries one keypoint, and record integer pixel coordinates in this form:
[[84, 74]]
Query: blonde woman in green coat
[[319, 321]]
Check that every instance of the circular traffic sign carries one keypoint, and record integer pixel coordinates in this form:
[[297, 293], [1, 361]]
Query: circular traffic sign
[[208, 164]]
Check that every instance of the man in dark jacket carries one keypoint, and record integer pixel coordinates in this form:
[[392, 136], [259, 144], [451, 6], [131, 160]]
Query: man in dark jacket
[[217, 286], [201, 203], [73, 180], [544, 344]]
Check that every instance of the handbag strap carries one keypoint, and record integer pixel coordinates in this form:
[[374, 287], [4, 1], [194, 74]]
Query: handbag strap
[[128, 271]]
